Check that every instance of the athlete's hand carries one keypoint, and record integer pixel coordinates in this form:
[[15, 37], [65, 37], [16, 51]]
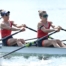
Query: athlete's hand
[[23, 25], [58, 28], [23, 29]]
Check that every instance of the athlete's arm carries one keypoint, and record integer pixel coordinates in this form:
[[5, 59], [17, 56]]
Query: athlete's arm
[[44, 29], [54, 27], [3, 26], [15, 25], [51, 24]]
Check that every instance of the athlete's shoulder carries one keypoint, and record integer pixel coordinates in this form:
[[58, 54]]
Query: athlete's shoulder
[[39, 23], [2, 23], [50, 22]]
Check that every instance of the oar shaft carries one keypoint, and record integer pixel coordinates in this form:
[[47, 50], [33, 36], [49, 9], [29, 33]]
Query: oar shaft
[[31, 29], [63, 40], [63, 29], [26, 45], [30, 39], [12, 51]]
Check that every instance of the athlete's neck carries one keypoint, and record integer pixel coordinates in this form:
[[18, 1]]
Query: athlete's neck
[[5, 20], [44, 22]]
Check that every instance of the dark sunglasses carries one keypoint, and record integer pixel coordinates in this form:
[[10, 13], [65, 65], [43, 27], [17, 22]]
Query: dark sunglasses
[[45, 16], [5, 14]]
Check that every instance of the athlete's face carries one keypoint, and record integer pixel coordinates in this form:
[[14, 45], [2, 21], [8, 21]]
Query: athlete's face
[[44, 17], [6, 17]]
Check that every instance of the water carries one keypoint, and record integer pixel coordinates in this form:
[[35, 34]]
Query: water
[[33, 61], [26, 11]]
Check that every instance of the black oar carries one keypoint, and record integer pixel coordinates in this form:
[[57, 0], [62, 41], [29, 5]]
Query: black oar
[[29, 44], [31, 29], [31, 39], [63, 29], [37, 38], [63, 40], [11, 35]]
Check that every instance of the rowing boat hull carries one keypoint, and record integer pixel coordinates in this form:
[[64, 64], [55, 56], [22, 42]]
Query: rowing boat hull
[[35, 50]]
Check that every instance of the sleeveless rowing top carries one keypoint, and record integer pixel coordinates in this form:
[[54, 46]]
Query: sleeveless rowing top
[[5, 32], [40, 33]]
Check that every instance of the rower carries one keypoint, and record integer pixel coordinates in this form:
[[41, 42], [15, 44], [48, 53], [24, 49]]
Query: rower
[[6, 29], [43, 30]]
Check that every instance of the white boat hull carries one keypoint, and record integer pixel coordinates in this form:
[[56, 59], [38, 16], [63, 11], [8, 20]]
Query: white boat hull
[[35, 50]]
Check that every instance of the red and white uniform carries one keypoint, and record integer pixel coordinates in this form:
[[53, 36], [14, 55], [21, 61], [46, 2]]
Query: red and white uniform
[[40, 33], [5, 32]]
